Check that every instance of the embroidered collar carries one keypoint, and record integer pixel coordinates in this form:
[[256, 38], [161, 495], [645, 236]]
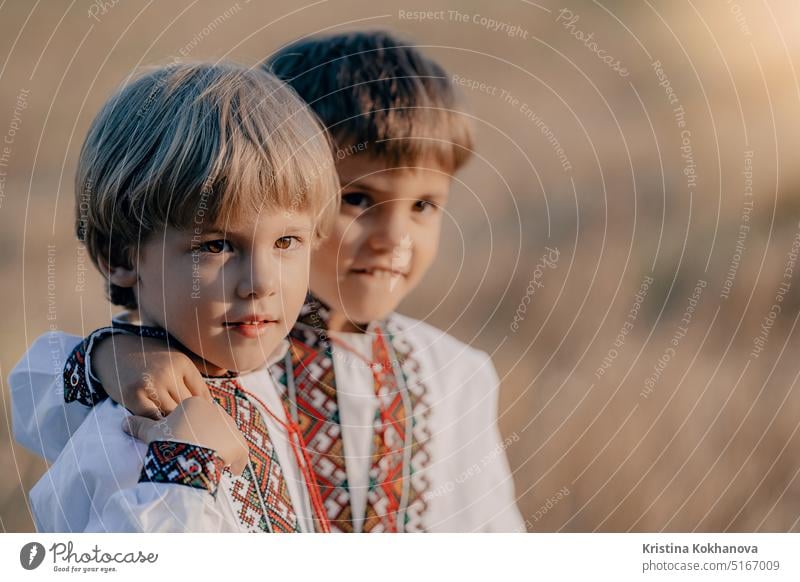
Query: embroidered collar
[[316, 314], [307, 381]]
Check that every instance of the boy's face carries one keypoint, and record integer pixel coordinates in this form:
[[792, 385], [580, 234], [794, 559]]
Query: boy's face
[[384, 240], [230, 297]]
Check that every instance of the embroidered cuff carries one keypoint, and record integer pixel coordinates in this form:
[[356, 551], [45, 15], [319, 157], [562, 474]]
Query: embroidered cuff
[[80, 383], [182, 464]]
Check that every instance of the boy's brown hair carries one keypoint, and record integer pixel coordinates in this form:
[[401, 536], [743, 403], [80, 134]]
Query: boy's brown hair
[[375, 90], [196, 146]]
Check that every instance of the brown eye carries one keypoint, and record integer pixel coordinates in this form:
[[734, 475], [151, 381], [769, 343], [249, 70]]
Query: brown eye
[[216, 247], [285, 242]]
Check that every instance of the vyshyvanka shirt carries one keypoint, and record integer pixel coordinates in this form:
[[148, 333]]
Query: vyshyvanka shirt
[[105, 480], [399, 422]]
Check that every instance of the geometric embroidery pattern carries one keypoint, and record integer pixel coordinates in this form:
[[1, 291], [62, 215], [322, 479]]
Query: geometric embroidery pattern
[[80, 384], [318, 418], [262, 498], [260, 495], [76, 384], [386, 475], [182, 464], [420, 428]]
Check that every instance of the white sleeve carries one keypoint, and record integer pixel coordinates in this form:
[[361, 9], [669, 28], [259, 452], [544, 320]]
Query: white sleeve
[[163, 508], [495, 479], [42, 421], [97, 485]]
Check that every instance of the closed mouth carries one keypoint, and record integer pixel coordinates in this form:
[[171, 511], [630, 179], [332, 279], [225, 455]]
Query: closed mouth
[[251, 328], [379, 272], [253, 321]]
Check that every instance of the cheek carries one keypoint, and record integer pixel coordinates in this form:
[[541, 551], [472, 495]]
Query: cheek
[[292, 270], [294, 286], [341, 244], [426, 243], [295, 274], [207, 277], [164, 293], [153, 281], [349, 233]]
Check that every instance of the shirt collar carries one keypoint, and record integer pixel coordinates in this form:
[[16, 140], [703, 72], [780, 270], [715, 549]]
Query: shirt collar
[[316, 315]]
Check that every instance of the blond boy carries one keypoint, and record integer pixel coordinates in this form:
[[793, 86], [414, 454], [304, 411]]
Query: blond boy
[[201, 190]]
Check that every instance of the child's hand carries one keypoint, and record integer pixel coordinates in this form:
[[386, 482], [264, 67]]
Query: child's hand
[[145, 376], [198, 421]]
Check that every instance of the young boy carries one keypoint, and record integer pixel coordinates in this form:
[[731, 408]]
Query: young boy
[[200, 190], [399, 418]]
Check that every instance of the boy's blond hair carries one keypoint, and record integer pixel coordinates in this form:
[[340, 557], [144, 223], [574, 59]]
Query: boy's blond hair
[[197, 146]]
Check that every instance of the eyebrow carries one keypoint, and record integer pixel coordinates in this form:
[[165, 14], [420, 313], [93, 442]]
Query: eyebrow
[[366, 186], [359, 183], [299, 228]]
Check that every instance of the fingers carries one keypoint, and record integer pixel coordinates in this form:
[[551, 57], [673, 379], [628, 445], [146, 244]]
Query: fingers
[[166, 392], [139, 427], [195, 384], [142, 405], [187, 384], [150, 411], [178, 391], [167, 405], [237, 467], [235, 450], [239, 461], [205, 423], [155, 407]]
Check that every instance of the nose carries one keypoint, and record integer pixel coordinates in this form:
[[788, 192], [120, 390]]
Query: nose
[[259, 276], [390, 227]]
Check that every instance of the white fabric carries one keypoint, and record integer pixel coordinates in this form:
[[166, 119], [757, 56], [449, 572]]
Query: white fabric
[[471, 487], [470, 484], [42, 421], [355, 394], [93, 485]]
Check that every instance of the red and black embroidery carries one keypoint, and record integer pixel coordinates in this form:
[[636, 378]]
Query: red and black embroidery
[[260, 496], [182, 464], [416, 506], [80, 383], [396, 485], [397, 481]]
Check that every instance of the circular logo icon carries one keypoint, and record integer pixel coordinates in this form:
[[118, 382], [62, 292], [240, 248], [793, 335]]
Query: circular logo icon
[[31, 555]]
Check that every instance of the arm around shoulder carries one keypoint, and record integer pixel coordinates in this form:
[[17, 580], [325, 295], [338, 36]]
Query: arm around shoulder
[[42, 420]]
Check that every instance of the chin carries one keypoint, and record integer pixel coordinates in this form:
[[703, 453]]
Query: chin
[[243, 365], [371, 304], [359, 314]]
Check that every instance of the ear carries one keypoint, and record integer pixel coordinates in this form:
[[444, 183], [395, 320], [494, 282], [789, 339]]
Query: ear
[[119, 276]]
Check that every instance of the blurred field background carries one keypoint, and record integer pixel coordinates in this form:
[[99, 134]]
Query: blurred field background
[[711, 443]]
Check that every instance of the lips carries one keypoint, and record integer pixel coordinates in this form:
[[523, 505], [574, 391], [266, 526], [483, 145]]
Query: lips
[[379, 272], [252, 326]]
